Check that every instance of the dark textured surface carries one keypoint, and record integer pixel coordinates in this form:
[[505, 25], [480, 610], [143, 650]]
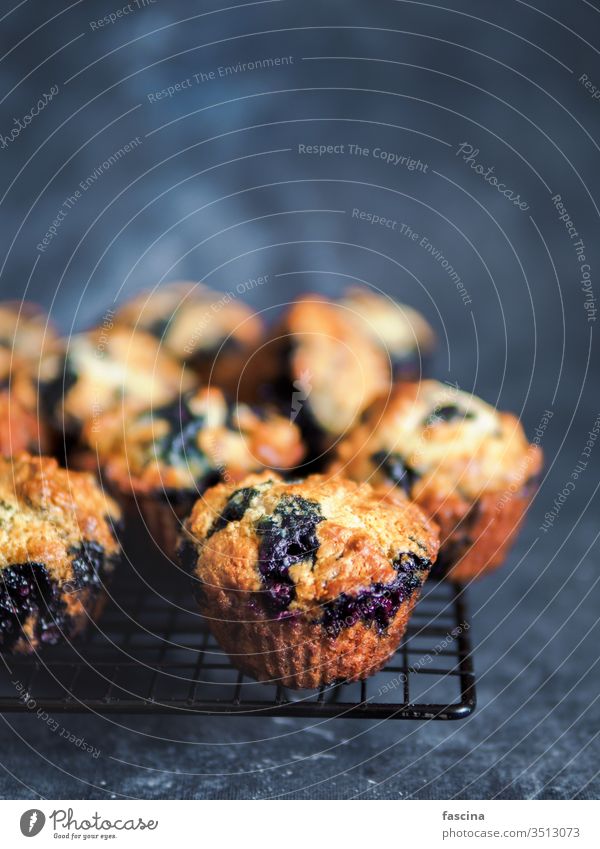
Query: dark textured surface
[[219, 195]]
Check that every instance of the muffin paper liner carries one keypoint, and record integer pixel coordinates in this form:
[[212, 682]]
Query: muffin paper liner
[[297, 652]]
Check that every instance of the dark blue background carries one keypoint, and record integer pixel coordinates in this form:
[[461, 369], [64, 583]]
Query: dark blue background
[[218, 191]]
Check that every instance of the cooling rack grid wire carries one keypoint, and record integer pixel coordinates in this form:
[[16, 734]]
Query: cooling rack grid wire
[[152, 653]]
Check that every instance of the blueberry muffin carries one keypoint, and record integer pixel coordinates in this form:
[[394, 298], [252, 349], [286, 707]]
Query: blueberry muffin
[[213, 332], [402, 332], [465, 464], [321, 368], [107, 368], [26, 332], [57, 548], [307, 582], [159, 461], [21, 428]]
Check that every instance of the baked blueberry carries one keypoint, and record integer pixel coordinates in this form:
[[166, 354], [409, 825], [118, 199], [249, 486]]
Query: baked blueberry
[[213, 332], [467, 465], [158, 461], [58, 549], [310, 581]]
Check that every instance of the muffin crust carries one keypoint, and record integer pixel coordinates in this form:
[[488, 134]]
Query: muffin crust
[[309, 581], [467, 465], [57, 547], [214, 332]]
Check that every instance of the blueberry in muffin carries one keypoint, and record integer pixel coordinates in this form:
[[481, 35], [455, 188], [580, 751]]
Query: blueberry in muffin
[[321, 368], [307, 582], [158, 461], [402, 332], [21, 426], [58, 546], [465, 464], [107, 368], [213, 332]]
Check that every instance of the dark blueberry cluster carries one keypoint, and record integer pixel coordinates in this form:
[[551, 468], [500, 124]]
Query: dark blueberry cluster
[[378, 605], [237, 504], [394, 467], [287, 537], [26, 590], [447, 413]]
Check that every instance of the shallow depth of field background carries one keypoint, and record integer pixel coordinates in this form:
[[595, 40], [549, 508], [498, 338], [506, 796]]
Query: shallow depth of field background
[[215, 189]]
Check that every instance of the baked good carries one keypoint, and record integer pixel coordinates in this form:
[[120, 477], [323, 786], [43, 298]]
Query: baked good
[[58, 545], [402, 332], [321, 368], [21, 427], [467, 465], [213, 332], [307, 582], [105, 368], [158, 461]]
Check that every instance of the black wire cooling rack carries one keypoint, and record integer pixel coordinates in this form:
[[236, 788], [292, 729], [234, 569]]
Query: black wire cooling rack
[[152, 653]]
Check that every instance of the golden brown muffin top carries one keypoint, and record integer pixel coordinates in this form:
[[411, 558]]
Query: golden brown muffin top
[[106, 366], [305, 543], [46, 513], [26, 332], [334, 365], [192, 320], [399, 329], [431, 437], [192, 443]]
